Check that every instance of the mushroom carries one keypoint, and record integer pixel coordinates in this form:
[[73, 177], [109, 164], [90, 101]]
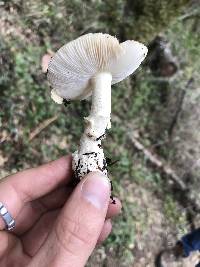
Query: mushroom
[[87, 67]]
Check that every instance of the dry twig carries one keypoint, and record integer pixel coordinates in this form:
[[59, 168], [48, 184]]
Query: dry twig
[[158, 162], [41, 127]]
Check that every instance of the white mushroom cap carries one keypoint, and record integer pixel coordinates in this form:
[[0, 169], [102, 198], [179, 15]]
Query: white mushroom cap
[[74, 65]]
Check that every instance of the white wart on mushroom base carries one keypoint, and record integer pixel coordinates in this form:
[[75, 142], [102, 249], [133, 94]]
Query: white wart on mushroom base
[[85, 67]]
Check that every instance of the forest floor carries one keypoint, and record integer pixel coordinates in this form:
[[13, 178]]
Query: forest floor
[[153, 216]]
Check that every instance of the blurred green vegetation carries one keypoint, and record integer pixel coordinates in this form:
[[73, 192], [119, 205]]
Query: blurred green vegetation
[[28, 30]]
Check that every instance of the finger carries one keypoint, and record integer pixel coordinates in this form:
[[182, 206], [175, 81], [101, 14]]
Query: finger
[[32, 211], [114, 209], [56, 198], [11, 250], [37, 182], [7, 242], [34, 239], [79, 225], [106, 230], [20, 188]]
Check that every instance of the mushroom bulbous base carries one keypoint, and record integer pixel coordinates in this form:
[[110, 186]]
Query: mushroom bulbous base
[[82, 164]]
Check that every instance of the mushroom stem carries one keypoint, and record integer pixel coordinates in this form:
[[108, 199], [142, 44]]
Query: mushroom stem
[[99, 119], [90, 156]]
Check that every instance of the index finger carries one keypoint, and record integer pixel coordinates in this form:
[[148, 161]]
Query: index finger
[[25, 186]]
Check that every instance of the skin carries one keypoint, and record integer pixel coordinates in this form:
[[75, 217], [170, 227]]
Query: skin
[[56, 224]]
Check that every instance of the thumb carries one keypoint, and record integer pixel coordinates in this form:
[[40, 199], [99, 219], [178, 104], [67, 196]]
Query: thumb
[[79, 225], [81, 221]]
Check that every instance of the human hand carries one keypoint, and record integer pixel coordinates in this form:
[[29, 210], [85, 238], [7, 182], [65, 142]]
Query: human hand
[[56, 226]]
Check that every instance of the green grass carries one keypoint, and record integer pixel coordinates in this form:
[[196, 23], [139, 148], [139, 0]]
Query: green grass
[[25, 102]]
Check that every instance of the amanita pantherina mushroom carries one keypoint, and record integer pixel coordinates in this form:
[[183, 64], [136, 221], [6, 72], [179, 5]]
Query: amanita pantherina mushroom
[[88, 66]]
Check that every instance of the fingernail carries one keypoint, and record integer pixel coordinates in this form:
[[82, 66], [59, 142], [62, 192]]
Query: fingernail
[[96, 190]]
